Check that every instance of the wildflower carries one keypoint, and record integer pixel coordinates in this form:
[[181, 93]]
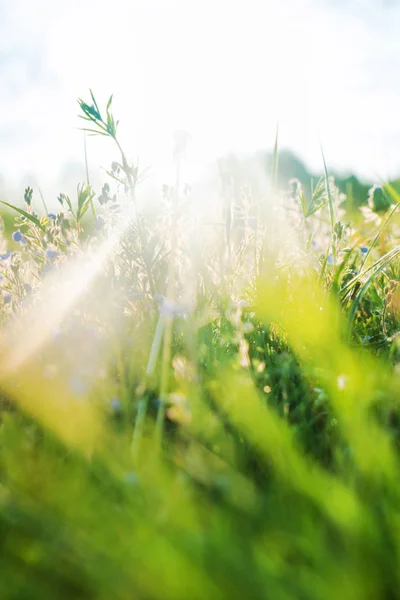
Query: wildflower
[[6, 255], [7, 298], [131, 478], [115, 406], [364, 249], [51, 254], [157, 402], [330, 260], [366, 339], [19, 238], [52, 216]]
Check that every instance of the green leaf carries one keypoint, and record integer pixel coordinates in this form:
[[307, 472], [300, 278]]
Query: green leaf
[[111, 125], [27, 215], [315, 207], [83, 211], [85, 196], [387, 259], [92, 111], [345, 291], [328, 191], [28, 195], [95, 104], [68, 201], [394, 194], [303, 204], [110, 174], [93, 132]]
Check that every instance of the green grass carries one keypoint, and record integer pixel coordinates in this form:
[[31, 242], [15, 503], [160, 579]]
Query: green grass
[[200, 407]]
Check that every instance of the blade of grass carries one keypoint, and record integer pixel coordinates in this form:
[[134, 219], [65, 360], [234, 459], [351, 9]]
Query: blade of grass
[[27, 215], [394, 254], [384, 224]]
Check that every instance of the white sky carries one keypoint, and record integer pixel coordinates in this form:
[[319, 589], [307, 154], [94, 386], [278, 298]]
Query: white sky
[[225, 70]]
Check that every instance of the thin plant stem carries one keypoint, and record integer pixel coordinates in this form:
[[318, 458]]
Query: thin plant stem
[[43, 201], [87, 172], [150, 371], [168, 322], [331, 208]]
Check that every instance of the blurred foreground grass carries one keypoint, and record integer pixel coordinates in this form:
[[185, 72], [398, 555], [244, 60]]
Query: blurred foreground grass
[[200, 405]]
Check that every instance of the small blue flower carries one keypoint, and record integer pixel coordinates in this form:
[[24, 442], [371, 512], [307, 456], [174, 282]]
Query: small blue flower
[[131, 478], [19, 238], [51, 254], [52, 216], [5, 256], [364, 249], [366, 339], [7, 298], [330, 260], [115, 406], [157, 403]]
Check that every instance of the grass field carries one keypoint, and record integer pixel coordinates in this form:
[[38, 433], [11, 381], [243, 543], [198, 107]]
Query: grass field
[[200, 404]]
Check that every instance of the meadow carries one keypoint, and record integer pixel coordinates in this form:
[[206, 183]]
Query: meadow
[[200, 401]]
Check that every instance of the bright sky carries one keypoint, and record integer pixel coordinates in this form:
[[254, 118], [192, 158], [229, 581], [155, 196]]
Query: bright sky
[[225, 70]]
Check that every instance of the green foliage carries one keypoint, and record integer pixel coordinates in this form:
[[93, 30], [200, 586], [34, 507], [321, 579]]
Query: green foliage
[[200, 410], [31, 217]]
